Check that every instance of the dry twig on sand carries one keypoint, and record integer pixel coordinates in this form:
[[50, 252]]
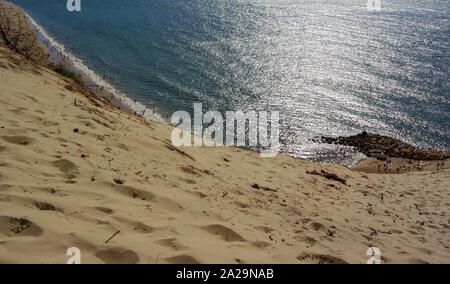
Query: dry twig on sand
[[328, 175], [112, 237]]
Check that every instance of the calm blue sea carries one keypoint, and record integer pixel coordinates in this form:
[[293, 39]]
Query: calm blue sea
[[330, 67]]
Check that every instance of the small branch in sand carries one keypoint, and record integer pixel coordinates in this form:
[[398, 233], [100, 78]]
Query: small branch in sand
[[418, 209], [228, 219], [75, 212], [328, 175], [112, 237], [256, 186], [109, 161]]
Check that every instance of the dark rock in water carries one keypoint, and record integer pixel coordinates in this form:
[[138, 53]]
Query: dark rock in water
[[383, 147]]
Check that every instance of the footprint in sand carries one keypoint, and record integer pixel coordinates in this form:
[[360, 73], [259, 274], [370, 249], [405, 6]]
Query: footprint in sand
[[265, 229], [225, 233], [417, 261], [18, 111], [261, 244], [241, 204], [171, 243], [117, 256], [18, 200], [11, 226], [49, 123], [87, 124], [169, 205], [308, 240], [191, 170], [319, 259], [67, 167], [182, 259], [123, 147], [44, 206], [397, 232], [135, 225], [317, 226], [83, 244], [188, 181], [18, 140], [105, 210], [197, 194], [134, 193]]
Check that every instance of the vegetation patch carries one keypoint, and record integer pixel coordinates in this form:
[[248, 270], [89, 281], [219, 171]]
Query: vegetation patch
[[63, 71]]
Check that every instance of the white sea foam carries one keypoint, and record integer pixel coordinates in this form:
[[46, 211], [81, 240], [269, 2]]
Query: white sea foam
[[60, 56]]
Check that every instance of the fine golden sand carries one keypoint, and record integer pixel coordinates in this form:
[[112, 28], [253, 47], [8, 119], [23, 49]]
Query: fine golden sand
[[74, 171]]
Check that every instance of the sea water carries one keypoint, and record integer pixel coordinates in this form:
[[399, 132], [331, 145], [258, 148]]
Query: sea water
[[329, 67]]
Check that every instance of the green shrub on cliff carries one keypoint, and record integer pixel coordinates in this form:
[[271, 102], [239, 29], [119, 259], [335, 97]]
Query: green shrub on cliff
[[63, 71]]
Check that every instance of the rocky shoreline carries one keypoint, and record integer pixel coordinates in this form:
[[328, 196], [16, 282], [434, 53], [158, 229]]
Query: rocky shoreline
[[383, 147]]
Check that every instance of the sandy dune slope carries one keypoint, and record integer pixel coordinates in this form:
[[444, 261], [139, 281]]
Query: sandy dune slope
[[74, 171]]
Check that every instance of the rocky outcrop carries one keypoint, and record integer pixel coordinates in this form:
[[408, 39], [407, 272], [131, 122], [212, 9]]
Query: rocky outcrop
[[383, 147]]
